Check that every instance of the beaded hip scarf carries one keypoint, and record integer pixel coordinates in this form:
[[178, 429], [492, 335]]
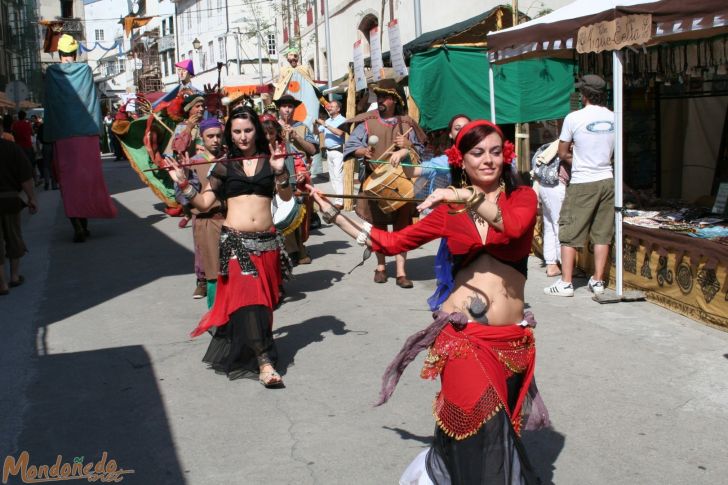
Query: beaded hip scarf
[[240, 245]]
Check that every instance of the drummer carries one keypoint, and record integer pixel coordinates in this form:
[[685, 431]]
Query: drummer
[[300, 139], [389, 123]]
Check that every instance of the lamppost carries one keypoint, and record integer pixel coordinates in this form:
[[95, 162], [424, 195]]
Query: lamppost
[[197, 46]]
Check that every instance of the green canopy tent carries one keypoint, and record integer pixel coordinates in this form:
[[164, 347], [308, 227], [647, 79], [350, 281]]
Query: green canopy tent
[[452, 79]]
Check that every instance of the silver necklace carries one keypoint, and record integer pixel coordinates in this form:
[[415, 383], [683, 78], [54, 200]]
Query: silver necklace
[[477, 218]]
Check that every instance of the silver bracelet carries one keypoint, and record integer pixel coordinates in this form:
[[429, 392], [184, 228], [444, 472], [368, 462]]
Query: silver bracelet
[[190, 192], [361, 238], [330, 214]]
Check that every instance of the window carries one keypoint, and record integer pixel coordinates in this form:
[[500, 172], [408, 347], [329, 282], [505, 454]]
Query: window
[[189, 20], [111, 68], [67, 9], [165, 67], [210, 52], [271, 44], [164, 28], [199, 15], [172, 57], [122, 66], [221, 49], [171, 25], [99, 34]]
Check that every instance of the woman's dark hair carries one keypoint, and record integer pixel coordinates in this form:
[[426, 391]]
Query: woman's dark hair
[[468, 141], [8, 122], [273, 125], [245, 113], [452, 121]]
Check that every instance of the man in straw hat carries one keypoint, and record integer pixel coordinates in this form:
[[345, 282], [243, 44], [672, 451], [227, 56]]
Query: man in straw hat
[[73, 124], [398, 137]]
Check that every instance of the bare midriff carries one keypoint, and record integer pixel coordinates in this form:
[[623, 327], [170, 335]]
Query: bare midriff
[[249, 213], [488, 284]]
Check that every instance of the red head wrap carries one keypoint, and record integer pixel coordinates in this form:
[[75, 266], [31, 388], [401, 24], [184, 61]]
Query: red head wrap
[[455, 157], [267, 117]]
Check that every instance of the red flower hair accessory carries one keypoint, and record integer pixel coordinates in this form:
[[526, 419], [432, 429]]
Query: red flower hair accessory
[[509, 152], [455, 157]]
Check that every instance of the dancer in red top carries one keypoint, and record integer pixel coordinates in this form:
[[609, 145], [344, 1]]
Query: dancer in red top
[[480, 344]]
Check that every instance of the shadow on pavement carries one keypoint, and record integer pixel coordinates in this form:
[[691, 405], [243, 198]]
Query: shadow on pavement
[[406, 435], [121, 255], [87, 403], [292, 338], [303, 283], [418, 269], [544, 447], [321, 249]]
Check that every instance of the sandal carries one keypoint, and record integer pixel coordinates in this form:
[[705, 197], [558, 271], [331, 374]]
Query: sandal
[[270, 379]]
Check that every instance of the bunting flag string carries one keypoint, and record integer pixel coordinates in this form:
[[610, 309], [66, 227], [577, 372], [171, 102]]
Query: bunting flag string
[[85, 47]]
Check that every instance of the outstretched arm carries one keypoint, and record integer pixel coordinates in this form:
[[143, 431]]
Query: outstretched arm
[[379, 240], [202, 201]]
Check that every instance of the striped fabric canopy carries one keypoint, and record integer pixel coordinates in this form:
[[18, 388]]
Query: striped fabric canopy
[[555, 34]]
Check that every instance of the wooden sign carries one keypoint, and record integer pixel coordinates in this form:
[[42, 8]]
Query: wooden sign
[[614, 34]]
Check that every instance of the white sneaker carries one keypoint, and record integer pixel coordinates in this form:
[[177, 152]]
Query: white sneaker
[[560, 289], [596, 286]]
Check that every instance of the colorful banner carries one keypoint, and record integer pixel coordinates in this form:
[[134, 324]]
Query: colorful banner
[[359, 76], [375, 43], [395, 49], [301, 88]]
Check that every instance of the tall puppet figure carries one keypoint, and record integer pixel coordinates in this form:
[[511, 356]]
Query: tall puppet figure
[[73, 125]]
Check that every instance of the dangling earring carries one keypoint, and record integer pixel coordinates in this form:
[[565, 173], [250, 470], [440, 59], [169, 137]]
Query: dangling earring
[[464, 179]]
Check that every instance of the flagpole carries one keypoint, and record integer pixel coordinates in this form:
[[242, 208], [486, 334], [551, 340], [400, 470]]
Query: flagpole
[[329, 57]]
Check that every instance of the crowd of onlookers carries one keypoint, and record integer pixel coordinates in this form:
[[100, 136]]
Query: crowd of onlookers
[[27, 133], [24, 165]]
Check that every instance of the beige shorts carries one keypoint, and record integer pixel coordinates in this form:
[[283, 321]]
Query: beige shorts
[[11, 238], [587, 211]]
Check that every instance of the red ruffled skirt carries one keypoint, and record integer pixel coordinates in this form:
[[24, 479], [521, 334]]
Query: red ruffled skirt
[[237, 290]]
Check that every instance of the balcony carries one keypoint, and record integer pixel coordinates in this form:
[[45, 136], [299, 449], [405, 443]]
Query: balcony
[[166, 43], [73, 27]]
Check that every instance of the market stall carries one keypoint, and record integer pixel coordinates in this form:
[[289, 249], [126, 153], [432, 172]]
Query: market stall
[[679, 263]]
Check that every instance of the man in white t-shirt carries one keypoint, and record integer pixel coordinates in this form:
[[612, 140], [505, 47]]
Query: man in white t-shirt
[[586, 144]]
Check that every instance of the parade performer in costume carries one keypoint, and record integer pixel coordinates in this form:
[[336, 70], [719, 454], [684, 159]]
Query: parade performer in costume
[[143, 140], [252, 258], [185, 73], [293, 57], [207, 225], [304, 142], [73, 124], [389, 125], [433, 173], [481, 344], [187, 133]]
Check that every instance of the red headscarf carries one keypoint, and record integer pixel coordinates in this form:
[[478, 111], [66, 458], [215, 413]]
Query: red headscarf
[[455, 156]]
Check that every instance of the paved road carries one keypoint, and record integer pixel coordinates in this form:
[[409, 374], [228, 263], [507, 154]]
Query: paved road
[[96, 357]]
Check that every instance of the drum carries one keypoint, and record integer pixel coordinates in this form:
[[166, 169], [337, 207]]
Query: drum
[[287, 215], [389, 182]]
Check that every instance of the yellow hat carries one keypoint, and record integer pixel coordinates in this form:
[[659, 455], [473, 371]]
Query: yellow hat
[[67, 44]]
